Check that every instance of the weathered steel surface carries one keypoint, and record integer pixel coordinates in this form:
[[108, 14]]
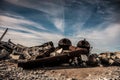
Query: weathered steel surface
[[3, 54], [84, 44], [52, 61], [3, 34], [46, 53], [64, 43]]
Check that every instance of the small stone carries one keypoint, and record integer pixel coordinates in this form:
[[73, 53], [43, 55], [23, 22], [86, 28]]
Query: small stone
[[71, 79]]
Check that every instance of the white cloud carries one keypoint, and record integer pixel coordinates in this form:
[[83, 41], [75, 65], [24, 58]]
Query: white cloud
[[102, 40], [49, 6], [58, 22], [56, 10], [106, 39], [14, 22], [36, 38], [27, 39]]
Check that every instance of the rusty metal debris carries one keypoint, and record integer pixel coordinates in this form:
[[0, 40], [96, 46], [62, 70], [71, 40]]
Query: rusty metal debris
[[51, 61], [84, 44], [48, 55], [64, 44], [3, 34]]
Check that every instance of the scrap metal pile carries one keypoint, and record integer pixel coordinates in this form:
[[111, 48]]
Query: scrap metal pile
[[48, 55]]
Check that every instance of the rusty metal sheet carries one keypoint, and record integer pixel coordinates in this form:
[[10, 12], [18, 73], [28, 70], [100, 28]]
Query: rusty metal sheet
[[52, 61]]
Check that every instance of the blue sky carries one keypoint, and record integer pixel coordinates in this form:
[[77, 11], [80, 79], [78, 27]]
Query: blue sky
[[33, 22]]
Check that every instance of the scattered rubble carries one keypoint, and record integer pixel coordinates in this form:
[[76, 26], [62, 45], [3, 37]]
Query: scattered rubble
[[110, 58], [12, 72], [46, 55], [9, 71]]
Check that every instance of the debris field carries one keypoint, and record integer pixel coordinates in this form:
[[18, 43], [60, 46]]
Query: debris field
[[64, 62]]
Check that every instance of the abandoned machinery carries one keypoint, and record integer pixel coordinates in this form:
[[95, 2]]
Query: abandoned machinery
[[48, 55]]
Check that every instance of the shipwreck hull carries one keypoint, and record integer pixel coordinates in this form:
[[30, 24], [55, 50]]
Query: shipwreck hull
[[51, 61]]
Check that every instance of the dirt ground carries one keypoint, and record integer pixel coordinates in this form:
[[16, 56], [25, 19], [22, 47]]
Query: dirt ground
[[10, 71], [93, 73]]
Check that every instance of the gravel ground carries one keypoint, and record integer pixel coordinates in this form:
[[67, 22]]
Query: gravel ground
[[10, 71]]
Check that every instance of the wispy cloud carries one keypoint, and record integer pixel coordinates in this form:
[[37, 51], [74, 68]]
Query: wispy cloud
[[51, 20], [31, 37], [14, 22], [52, 7], [35, 38], [58, 22], [28, 39], [54, 10], [105, 39]]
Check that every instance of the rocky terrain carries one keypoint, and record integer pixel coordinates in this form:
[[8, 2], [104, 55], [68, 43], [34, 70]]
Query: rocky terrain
[[71, 60], [10, 71]]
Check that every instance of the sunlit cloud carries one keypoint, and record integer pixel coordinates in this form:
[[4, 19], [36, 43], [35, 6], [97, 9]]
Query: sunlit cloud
[[14, 22], [51, 20], [103, 40]]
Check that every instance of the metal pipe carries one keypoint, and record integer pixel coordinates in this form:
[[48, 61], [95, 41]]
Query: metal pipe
[[3, 34]]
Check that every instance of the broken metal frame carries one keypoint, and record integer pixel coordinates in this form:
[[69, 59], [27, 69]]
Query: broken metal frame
[[52, 61]]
